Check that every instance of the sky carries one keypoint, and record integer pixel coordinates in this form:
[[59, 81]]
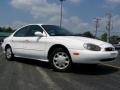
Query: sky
[[78, 15]]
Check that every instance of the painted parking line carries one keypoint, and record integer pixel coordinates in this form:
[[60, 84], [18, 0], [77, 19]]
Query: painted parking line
[[109, 65], [48, 80]]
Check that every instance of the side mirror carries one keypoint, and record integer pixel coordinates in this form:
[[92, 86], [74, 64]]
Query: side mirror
[[39, 34]]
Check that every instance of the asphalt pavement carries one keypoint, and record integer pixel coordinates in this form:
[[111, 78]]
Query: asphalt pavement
[[26, 74]]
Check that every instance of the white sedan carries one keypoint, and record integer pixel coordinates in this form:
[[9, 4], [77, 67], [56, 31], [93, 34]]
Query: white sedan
[[57, 46]]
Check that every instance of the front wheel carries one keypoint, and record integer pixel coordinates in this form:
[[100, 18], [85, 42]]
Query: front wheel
[[60, 60], [9, 54]]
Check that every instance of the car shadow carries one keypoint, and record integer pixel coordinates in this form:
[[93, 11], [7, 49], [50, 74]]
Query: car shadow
[[87, 69], [32, 62]]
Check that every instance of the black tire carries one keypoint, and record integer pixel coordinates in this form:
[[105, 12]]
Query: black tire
[[60, 60], [9, 54]]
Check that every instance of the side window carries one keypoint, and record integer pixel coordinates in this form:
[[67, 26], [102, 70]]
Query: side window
[[33, 29], [22, 32]]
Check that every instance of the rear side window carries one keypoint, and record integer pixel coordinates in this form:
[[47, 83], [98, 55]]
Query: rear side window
[[22, 32], [33, 29]]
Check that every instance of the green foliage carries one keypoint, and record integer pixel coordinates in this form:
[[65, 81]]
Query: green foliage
[[114, 39], [4, 29], [88, 34], [104, 37]]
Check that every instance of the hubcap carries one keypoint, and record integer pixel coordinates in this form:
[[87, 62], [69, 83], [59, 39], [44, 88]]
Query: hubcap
[[8, 53], [61, 60]]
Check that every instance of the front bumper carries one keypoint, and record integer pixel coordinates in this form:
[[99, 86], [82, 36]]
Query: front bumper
[[92, 57]]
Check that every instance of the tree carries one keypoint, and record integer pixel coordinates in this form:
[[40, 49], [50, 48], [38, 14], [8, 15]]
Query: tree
[[6, 29], [114, 39], [104, 37], [88, 34]]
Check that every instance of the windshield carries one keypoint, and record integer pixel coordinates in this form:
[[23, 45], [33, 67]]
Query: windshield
[[53, 30]]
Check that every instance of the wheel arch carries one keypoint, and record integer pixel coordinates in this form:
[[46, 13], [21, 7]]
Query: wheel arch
[[7, 45], [57, 46]]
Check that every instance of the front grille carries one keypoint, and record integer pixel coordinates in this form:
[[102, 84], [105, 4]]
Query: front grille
[[109, 49]]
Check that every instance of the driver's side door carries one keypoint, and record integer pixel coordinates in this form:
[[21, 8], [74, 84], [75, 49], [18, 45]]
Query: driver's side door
[[34, 45]]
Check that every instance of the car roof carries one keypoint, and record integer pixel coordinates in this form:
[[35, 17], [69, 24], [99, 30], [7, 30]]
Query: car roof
[[38, 24], [34, 24]]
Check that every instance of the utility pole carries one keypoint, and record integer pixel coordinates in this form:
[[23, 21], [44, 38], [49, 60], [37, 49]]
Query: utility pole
[[96, 25], [109, 26], [61, 14]]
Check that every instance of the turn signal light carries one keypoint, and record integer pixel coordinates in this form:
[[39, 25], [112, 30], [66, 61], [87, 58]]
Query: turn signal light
[[76, 53]]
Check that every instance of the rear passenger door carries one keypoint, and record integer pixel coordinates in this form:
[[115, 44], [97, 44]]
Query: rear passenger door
[[18, 41]]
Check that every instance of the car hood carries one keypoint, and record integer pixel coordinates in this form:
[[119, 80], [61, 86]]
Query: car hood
[[81, 39]]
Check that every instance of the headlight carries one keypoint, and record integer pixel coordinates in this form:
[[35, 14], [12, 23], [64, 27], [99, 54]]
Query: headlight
[[92, 47]]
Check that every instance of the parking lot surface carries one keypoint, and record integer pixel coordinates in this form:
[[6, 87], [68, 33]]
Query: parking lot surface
[[26, 74]]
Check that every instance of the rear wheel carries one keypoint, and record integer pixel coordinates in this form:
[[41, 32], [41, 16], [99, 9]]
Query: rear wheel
[[60, 60], [8, 53]]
